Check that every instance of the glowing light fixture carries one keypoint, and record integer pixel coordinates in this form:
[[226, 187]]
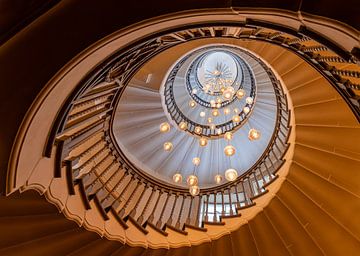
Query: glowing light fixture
[[246, 110], [229, 150], [215, 112], [231, 174], [218, 179], [192, 104], [164, 127], [210, 120], [194, 190], [196, 161], [228, 93], [198, 130], [212, 103], [240, 93], [219, 131], [177, 178], [203, 142], [212, 126], [192, 180], [254, 134], [249, 100], [168, 146], [202, 114], [194, 91], [236, 118], [236, 110], [183, 126], [228, 136], [226, 111]]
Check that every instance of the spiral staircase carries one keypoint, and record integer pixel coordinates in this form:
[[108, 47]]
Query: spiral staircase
[[72, 189]]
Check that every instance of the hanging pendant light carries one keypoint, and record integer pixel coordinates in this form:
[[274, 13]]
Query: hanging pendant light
[[164, 127], [177, 178], [198, 130], [228, 93], [196, 161], [246, 110], [192, 104], [218, 179], [215, 112], [249, 100], [231, 174], [192, 180], [236, 119], [194, 190], [228, 136], [240, 93], [168, 146], [229, 150], [203, 141], [254, 134], [183, 126]]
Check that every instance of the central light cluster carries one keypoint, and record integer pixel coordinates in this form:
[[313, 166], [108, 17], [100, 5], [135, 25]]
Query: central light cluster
[[219, 90]]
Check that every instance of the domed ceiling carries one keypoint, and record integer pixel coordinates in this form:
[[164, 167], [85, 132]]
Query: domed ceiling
[[184, 125]]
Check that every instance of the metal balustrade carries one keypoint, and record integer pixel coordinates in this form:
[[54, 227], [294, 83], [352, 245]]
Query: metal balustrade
[[83, 121]]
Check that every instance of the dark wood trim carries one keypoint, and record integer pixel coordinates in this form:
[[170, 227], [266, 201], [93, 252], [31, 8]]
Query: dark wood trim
[[183, 232], [271, 181], [83, 195], [246, 206], [100, 208], [120, 220], [69, 177], [159, 230], [214, 223], [260, 194], [195, 227]]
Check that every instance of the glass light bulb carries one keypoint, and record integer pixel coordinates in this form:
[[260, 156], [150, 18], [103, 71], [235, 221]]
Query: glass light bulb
[[177, 178], [240, 93], [194, 190], [228, 136], [231, 174], [192, 104], [254, 134], [198, 130], [210, 120], [236, 118], [229, 150], [203, 141], [196, 161], [249, 100], [192, 180], [246, 110], [202, 114], [168, 146], [183, 126], [164, 127], [215, 112], [226, 111], [218, 179]]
